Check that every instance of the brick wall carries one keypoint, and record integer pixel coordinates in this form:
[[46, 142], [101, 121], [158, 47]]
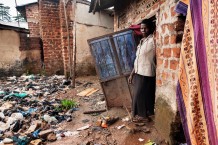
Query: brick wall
[[169, 30], [65, 32], [32, 15], [31, 53], [51, 36], [33, 49]]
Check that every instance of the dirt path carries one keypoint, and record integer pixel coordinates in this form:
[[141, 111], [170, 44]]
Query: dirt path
[[97, 135]]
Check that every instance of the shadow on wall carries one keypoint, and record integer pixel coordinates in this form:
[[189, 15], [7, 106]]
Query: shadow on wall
[[86, 67], [12, 70], [174, 133]]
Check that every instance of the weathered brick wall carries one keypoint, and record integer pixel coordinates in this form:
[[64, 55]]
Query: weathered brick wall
[[32, 15], [51, 36], [65, 32], [169, 30], [31, 54], [33, 50]]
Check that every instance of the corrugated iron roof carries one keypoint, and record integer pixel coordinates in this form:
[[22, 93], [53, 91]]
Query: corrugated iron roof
[[33, 2], [97, 5], [18, 29]]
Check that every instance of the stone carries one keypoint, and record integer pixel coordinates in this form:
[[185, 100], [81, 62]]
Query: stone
[[51, 137]]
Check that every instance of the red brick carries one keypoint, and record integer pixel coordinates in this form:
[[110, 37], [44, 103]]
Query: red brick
[[167, 52], [174, 76], [176, 52], [159, 62], [173, 39], [159, 82], [158, 52], [164, 75], [173, 64], [166, 40], [173, 13], [165, 15], [163, 28], [166, 64]]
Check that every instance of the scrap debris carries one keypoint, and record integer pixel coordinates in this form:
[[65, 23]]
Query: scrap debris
[[104, 122], [94, 111], [29, 111], [87, 92]]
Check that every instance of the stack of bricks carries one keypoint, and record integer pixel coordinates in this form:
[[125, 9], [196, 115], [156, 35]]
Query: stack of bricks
[[51, 36]]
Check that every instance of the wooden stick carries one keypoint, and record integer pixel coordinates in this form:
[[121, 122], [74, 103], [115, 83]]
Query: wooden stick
[[94, 111]]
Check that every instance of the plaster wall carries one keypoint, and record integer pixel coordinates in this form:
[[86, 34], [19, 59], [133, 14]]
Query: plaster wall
[[89, 26], [9, 50], [101, 19]]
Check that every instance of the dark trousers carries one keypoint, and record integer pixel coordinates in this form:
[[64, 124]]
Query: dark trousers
[[143, 95]]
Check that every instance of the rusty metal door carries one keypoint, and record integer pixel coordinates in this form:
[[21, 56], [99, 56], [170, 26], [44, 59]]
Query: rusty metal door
[[114, 56]]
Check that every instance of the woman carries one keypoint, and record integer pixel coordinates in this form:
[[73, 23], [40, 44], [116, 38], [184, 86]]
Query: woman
[[143, 75]]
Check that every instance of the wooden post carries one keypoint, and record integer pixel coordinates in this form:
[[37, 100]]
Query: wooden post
[[17, 14], [68, 41], [74, 44]]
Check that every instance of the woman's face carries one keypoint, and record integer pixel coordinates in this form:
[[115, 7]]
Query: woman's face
[[145, 30]]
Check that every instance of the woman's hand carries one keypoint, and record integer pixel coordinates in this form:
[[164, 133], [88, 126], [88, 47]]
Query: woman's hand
[[130, 79]]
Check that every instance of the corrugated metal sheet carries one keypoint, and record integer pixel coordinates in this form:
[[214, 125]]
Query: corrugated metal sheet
[[97, 5]]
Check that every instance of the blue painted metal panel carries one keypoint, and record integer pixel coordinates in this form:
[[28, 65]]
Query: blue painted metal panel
[[104, 56], [126, 49]]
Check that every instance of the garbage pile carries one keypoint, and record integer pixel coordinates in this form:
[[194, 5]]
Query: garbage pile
[[29, 114]]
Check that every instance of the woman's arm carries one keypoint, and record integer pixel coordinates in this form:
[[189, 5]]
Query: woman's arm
[[131, 76]]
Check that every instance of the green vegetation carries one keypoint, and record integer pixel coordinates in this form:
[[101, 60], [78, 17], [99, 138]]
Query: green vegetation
[[5, 13], [66, 105], [6, 16], [19, 18]]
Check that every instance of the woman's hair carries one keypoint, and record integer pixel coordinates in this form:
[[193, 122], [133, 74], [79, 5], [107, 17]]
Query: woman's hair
[[149, 24]]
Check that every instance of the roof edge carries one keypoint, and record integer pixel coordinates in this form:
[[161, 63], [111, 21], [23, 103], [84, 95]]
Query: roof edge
[[20, 6], [18, 29]]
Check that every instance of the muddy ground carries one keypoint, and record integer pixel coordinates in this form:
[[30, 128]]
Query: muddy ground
[[98, 135]]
